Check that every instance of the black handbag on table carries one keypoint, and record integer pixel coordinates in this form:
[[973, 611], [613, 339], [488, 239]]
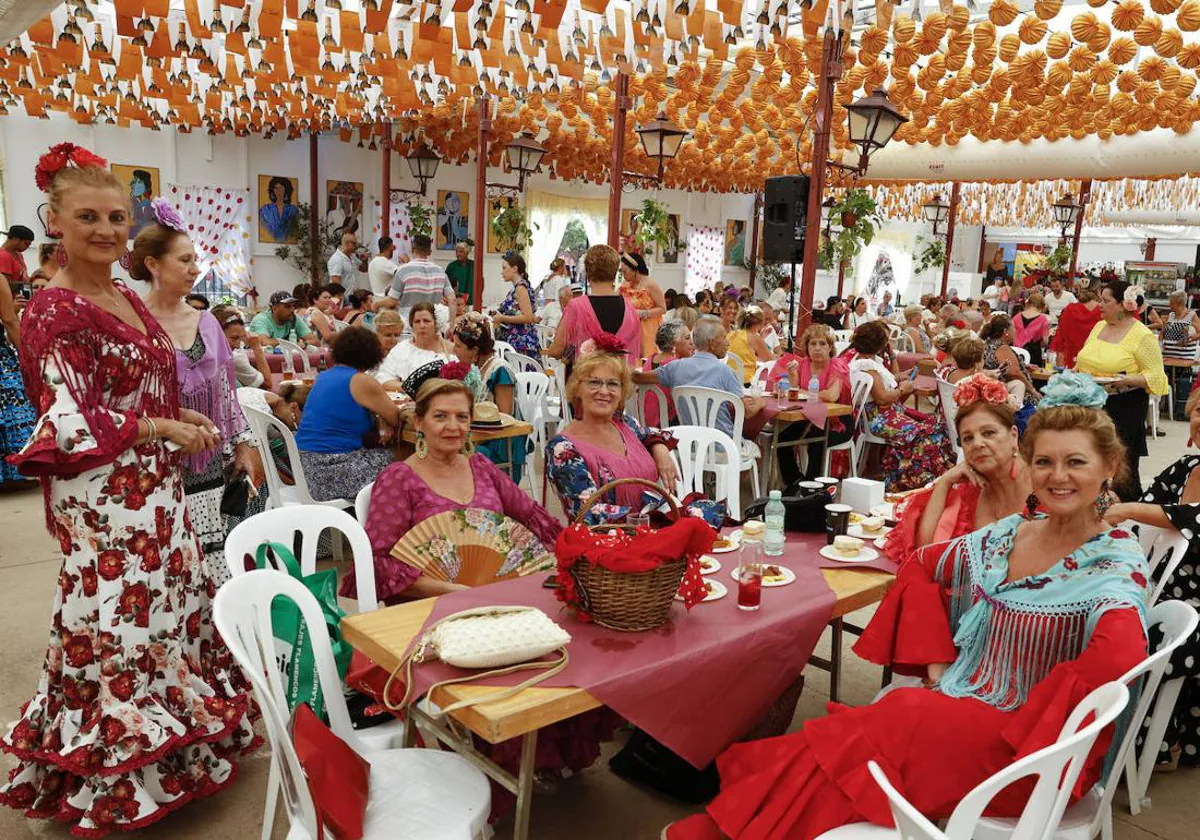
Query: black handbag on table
[[804, 514]]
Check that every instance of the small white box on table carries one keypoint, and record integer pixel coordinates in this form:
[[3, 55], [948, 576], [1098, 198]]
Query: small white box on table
[[861, 494]]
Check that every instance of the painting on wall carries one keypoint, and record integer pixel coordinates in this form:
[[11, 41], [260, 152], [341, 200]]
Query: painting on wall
[[143, 187], [343, 206], [453, 222], [278, 215], [735, 241], [670, 254], [495, 207]]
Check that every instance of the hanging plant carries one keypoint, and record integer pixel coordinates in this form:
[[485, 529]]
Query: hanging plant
[[420, 219], [653, 225], [511, 227], [1058, 260], [860, 221], [769, 273], [931, 255], [300, 255]]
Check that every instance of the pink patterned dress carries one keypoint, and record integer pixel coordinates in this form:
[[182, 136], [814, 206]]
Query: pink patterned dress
[[139, 704]]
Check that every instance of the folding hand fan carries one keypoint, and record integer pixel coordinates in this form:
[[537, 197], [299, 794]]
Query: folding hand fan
[[473, 547]]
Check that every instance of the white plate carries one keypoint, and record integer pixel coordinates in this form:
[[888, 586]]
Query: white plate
[[709, 565], [887, 510], [856, 530], [865, 555], [716, 590], [788, 577], [735, 540], [879, 543]]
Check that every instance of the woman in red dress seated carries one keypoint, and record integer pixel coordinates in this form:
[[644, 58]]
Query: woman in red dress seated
[[992, 481], [1065, 579]]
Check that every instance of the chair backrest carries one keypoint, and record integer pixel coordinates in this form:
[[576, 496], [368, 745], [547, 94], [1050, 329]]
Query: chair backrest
[[1163, 547], [531, 391], [291, 352], [949, 410], [840, 346], [697, 450], [739, 366], [902, 342], [306, 523], [635, 406], [761, 371], [545, 335], [1057, 767], [843, 335], [911, 824], [860, 390], [362, 504], [242, 614], [699, 406], [1022, 354], [522, 363], [262, 424], [503, 348]]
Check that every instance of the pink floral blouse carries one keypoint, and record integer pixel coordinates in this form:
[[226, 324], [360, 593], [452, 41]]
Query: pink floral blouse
[[401, 499]]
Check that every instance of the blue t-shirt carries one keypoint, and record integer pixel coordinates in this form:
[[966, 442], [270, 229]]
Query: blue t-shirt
[[332, 421]]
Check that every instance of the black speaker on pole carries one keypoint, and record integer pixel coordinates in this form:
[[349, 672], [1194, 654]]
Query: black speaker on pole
[[785, 214]]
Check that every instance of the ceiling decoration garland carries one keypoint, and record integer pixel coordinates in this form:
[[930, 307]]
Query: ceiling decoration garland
[[737, 73]]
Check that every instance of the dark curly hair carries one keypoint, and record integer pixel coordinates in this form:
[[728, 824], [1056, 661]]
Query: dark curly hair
[[870, 338], [357, 347], [476, 333], [996, 326]]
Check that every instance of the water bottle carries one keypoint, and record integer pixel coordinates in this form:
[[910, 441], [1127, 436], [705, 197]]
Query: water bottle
[[814, 388], [774, 514], [781, 388], [321, 364]]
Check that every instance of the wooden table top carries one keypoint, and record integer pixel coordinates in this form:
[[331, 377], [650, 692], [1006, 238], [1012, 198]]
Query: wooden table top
[[796, 415], [516, 429], [385, 634]]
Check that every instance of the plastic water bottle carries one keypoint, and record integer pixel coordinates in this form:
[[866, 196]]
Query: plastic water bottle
[[781, 388], [774, 514], [814, 388]]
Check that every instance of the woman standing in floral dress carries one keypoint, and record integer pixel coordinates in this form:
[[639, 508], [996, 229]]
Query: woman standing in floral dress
[[139, 703], [516, 323]]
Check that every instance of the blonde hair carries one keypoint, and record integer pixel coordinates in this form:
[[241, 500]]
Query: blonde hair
[[967, 351], [1179, 298], [585, 366], [435, 387], [688, 316], [817, 331], [750, 318], [388, 318], [1077, 418], [600, 264], [1037, 301], [74, 177], [1191, 404], [912, 310]]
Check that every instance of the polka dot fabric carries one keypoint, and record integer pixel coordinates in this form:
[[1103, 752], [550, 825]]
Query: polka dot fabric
[[218, 221], [705, 253]]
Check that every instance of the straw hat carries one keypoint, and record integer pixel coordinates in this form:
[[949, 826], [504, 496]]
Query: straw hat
[[487, 417]]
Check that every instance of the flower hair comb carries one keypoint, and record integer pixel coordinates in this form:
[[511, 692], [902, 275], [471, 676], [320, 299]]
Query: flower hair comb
[[167, 216], [59, 158]]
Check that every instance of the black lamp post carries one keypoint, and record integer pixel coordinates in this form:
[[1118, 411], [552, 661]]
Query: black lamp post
[[423, 162]]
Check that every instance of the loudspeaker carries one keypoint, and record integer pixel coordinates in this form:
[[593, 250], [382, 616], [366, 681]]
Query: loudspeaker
[[785, 213]]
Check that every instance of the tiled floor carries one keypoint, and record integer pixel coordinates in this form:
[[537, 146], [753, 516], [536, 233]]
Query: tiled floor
[[593, 806]]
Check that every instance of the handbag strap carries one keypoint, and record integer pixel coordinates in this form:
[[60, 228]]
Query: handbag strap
[[282, 553], [416, 655]]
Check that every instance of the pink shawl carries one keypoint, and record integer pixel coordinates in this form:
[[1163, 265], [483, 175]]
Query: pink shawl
[[580, 323]]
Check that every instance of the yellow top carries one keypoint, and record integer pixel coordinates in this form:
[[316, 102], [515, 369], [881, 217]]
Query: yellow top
[[739, 345], [1137, 352]]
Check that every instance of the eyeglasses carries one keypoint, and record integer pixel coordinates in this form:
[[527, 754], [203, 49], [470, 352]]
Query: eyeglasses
[[596, 385]]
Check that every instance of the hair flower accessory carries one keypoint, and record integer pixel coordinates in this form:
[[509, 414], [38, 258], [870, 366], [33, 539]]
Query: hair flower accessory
[[454, 370], [978, 387], [59, 158], [167, 215], [603, 343], [1071, 388], [1132, 298]]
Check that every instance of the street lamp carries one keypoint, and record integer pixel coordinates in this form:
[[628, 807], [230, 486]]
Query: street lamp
[[873, 120], [1065, 213], [423, 163], [524, 156], [936, 211], [661, 140]]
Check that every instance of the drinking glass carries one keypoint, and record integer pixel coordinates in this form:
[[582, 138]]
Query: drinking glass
[[638, 520]]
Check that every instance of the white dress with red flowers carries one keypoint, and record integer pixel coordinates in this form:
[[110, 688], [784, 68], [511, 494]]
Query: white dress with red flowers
[[139, 703]]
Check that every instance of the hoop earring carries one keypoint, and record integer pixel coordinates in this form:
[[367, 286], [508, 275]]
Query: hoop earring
[[1103, 502], [126, 260], [422, 447], [1031, 505], [468, 447], [60, 256]]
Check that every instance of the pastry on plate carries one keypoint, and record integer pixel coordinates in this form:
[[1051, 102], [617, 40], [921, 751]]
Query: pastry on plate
[[847, 546]]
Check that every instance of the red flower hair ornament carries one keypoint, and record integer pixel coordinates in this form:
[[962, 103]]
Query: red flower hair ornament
[[59, 158], [603, 343], [980, 387], [454, 370]]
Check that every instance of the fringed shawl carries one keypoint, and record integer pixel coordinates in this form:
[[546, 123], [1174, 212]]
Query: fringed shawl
[[208, 386], [1011, 635]]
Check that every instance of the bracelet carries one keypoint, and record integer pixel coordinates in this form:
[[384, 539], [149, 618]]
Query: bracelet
[[153, 429]]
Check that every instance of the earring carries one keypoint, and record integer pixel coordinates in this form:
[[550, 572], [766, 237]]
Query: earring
[[468, 447], [1103, 502], [60, 256], [422, 447], [1031, 505], [126, 260]]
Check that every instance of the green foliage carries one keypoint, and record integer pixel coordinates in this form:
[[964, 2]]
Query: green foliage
[[653, 225], [858, 208], [770, 274], [1058, 260], [512, 230], [575, 238], [931, 255], [420, 219], [300, 255]]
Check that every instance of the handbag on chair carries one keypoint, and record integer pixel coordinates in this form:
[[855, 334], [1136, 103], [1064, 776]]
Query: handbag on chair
[[338, 777]]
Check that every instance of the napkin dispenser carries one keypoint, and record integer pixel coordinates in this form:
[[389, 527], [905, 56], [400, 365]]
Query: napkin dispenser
[[861, 494]]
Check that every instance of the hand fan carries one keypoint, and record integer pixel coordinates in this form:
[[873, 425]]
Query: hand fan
[[473, 547]]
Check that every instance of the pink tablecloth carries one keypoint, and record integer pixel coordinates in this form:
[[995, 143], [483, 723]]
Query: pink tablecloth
[[905, 361], [815, 411], [275, 360], [700, 681]]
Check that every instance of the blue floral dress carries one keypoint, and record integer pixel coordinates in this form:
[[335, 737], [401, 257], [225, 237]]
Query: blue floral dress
[[16, 414], [522, 337]]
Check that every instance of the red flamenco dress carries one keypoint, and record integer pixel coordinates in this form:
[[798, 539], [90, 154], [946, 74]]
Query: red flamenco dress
[[139, 705], [958, 518], [995, 704]]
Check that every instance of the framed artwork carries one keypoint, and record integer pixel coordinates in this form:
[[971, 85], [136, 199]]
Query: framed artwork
[[735, 242], [278, 215], [495, 207], [453, 222], [144, 187], [343, 207], [670, 254]]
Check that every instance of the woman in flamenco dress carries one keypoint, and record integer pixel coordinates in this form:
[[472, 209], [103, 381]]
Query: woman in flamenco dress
[[139, 705], [1064, 578]]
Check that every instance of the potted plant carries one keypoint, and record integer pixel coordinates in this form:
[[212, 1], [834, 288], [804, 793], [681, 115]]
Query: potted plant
[[300, 255], [420, 219], [512, 229], [653, 225], [931, 255], [860, 221]]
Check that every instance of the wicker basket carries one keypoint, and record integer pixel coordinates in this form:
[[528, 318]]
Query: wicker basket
[[631, 602]]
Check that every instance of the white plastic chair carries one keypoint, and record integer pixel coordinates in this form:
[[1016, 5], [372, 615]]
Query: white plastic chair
[[532, 392], [291, 352], [761, 370], [843, 335], [739, 366], [362, 504], [283, 495], [1021, 354], [840, 347], [703, 449], [1057, 767], [545, 335], [860, 394], [949, 411], [415, 793], [635, 406], [902, 342], [1164, 547], [702, 407], [503, 348], [1091, 816], [522, 363]]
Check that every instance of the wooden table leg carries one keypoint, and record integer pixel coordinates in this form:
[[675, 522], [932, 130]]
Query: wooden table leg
[[835, 658], [525, 786]]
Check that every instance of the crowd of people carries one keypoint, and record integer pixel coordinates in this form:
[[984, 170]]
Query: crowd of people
[[134, 414]]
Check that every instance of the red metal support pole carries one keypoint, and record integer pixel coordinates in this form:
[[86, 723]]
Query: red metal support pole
[[481, 202], [758, 207], [982, 249], [385, 215], [1085, 195], [841, 276], [830, 72], [616, 169], [953, 217], [314, 216]]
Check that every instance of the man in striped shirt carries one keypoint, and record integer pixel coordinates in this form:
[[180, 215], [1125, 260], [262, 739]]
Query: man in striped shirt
[[421, 280]]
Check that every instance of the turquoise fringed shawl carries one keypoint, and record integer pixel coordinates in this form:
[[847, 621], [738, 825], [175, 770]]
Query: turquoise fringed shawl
[[1010, 636]]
